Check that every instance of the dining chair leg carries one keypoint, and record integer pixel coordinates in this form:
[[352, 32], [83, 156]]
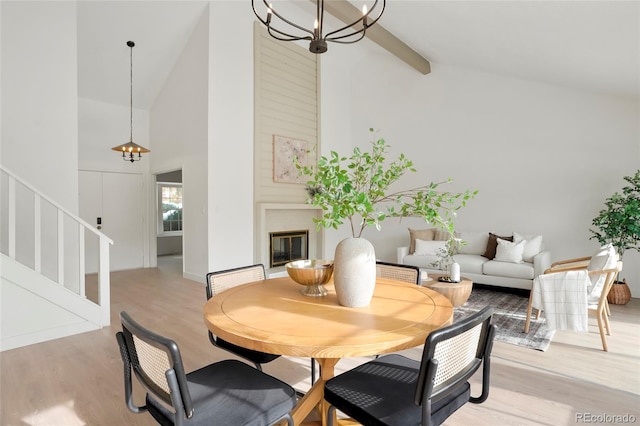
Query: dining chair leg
[[331, 415]]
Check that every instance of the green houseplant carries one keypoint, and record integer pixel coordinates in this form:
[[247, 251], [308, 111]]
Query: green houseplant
[[619, 224], [361, 190]]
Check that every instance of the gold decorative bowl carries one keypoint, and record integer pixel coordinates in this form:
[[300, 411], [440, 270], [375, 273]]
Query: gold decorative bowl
[[312, 274]]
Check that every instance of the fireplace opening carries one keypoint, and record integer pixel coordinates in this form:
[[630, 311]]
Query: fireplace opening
[[288, 246]]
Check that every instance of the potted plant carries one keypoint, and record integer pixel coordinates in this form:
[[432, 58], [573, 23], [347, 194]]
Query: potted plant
[[619, 224], [360, 189], [445, 260]]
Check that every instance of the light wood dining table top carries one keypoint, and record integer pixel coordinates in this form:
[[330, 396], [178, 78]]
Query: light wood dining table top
[[273, 316]]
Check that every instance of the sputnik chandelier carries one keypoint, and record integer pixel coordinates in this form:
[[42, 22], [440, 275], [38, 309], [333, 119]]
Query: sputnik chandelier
[[283, 29], [130, 149]]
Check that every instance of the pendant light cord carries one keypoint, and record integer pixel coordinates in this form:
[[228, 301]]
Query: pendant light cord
[[131, 92], [131, 44]]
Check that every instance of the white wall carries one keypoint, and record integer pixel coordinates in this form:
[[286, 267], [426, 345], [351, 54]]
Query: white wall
[[40, 95], [230, 156], [543, 157], [335, 118], [179, 133], [102, 126]]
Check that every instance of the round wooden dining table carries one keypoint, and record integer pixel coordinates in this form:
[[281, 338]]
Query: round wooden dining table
[[273, 316]]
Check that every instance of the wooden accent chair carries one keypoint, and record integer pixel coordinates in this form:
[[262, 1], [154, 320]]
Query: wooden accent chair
[[396, 271], [221, 280], [396, 390], [228, 392], [599, 309]]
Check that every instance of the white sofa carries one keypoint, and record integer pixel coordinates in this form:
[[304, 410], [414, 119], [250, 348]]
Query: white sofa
[[515, 265]]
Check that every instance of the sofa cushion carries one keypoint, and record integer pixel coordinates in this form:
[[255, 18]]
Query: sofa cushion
[[470, 263], [508, 251], [522, 270], [475, 242], [422, 234], [532, 246], [492, 244], [431, 248]]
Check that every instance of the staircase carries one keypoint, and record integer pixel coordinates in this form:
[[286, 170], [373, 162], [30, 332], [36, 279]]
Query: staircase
[[44, 292]]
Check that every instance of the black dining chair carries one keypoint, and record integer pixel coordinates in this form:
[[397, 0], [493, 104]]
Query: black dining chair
[[396, 390], [228, 392], [219, 281]]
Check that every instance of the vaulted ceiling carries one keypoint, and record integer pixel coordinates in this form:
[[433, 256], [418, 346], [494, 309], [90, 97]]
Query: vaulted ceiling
[[589, 45]]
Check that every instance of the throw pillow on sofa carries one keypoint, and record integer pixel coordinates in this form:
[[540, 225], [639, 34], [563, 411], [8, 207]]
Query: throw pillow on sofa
[[431, 234], [508, 251], [492, 244], [429, 248], [532, 246], [422, 234]]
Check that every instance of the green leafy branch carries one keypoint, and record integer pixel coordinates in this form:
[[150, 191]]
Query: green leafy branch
[[355, 189]]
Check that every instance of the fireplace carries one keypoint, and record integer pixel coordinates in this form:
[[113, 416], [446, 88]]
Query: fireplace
[[288, 246]]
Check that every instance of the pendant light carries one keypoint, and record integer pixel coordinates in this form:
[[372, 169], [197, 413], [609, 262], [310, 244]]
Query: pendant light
[[130, 149]]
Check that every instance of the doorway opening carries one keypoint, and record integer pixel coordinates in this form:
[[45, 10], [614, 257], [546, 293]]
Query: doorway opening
[[169, 219]]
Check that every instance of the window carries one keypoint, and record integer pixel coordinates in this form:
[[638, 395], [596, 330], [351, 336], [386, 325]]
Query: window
[[169, 208]]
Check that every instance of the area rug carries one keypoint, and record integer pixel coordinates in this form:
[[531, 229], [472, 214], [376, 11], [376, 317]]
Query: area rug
[[510, 309]]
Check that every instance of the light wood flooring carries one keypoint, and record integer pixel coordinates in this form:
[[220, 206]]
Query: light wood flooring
[[78, 380]]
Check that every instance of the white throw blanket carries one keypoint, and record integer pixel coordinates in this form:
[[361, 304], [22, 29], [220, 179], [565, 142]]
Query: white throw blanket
[[563, 298]]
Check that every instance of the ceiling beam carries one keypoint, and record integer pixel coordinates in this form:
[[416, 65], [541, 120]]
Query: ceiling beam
[[347, 13]]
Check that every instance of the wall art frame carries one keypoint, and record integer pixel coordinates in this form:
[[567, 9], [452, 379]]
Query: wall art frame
[[285, 149]]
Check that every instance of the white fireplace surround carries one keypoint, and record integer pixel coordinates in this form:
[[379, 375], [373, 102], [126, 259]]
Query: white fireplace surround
[[282, 217]]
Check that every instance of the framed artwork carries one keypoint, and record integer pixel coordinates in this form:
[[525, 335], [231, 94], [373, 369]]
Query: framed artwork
[[284, 151]]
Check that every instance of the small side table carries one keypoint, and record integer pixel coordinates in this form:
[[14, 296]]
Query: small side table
[[457, 293]]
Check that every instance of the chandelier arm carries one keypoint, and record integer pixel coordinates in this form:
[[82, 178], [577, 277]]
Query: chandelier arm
[[280, 35], [282, 18], [362, 19], [340, 41], [267, 23]]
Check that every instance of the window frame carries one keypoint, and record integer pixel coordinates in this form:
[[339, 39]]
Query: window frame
[[160, 232]]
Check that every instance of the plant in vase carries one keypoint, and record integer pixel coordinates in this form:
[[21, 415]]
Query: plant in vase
[[619, 223], [445, 262], [358, 189]]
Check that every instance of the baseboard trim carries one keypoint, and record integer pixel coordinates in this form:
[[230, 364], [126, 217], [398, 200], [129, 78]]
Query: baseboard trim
[[13, 342]]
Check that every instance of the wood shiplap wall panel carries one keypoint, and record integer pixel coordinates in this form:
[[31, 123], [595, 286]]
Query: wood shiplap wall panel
[[286, 87]]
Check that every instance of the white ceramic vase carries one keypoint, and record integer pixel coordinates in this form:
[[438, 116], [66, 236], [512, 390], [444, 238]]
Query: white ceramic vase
[[354, 272], [455, 272]]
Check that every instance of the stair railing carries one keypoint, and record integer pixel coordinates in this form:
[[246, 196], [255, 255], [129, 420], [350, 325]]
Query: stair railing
[[69, 239]]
